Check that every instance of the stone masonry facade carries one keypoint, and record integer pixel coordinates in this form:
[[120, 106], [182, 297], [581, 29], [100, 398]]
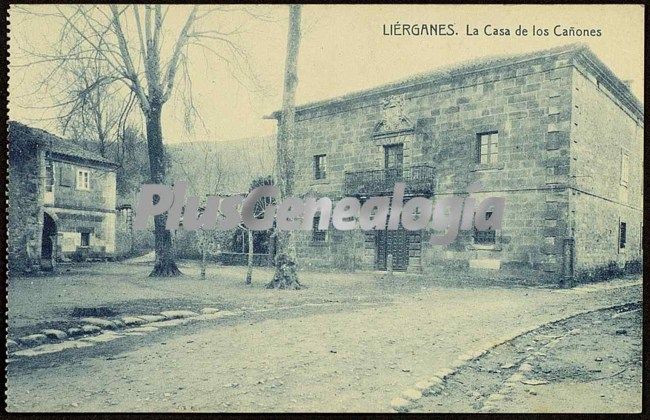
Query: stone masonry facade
[[568, 158], [61, 201]]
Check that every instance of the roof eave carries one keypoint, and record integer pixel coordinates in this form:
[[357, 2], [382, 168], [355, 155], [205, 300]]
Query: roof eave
[[434, 76], [76, 158]]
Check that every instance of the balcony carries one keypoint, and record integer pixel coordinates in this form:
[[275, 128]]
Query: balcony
[[418, 179]]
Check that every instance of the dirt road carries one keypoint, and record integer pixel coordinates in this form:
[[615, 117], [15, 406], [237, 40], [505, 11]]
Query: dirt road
[[590, 363], [336, 357]]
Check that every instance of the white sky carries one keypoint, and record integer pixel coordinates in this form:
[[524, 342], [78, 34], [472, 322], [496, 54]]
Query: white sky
[[343, 50]]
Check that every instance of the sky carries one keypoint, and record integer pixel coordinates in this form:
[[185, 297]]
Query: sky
[[343, 49]]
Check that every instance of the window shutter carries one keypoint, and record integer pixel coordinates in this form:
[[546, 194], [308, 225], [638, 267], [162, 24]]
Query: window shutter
[[67, 176]]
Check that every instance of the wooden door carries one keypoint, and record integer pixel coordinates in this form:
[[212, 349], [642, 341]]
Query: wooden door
[[395, 243]]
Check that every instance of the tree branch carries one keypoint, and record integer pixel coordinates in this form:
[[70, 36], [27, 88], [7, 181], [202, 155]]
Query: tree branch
[[173, 63], [126, 56]]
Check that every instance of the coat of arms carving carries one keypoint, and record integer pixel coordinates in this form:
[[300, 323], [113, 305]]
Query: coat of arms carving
[[392, 116]]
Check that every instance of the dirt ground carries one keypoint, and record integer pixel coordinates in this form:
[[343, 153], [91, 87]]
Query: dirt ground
[[49, 301], [586, 364], [125, 289], [347, 343]]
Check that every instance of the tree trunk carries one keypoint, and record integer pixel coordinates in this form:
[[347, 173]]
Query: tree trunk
[[249, 272], [286, 276], [204, 245], [165, 264]]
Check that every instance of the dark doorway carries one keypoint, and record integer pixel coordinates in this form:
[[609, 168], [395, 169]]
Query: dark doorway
[[48, 243], [393, 242]]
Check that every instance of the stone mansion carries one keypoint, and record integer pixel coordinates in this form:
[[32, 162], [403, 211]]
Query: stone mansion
[[555, 132]]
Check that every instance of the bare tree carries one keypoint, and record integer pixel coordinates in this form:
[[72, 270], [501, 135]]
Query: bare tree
[[203, 168], [225, 168], [286, 276], [127, 40], [95, 110], [258, 212]]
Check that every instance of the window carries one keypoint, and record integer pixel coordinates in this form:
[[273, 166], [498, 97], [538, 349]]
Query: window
[[487, 145], [485, 237], [622, 235], [316, 234], [49, 176], [393, 161], [393, 156], [66, 175], [85, 239], [320, 166], [83, 180], [625, 168]]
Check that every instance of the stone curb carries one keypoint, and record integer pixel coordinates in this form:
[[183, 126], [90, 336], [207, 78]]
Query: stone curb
[[408, 399], [93, 327], [491, 403]]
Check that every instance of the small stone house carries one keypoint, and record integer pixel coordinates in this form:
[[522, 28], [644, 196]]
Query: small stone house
[[555, 132], [61, 201]]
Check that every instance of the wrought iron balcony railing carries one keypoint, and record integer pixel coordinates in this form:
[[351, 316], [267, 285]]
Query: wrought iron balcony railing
[[418, 180]]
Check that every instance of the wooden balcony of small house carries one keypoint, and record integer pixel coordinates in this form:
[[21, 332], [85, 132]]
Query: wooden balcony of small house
[[418, 179]]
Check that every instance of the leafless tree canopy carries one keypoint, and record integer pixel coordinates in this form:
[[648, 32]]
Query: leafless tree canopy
[[133, 44]]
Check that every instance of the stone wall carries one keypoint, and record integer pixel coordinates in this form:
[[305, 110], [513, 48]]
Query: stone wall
[[124, 235], [346, 251], [23, 227], [602, 131], [79, 210], [528, 103], [100, 196]]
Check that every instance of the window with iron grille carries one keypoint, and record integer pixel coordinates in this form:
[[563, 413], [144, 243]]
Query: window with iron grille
[[320, 166], [487, 147], [622, 235], [316, 234], [485, 237]]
